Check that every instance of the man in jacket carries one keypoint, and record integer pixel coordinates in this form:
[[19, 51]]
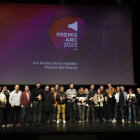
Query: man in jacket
[[110, 90], [91, 106], [25, 101], [15, 105], [118, 101], [138, 104], [36, 98], [47, 101], [53, 106], [4, 99], [125, 109]]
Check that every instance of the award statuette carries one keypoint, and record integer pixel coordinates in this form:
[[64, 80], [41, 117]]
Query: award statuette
[[110, 95], [5, 100], [39, 97], [91, 99], [71, 97], [61, 99], [105, 98]]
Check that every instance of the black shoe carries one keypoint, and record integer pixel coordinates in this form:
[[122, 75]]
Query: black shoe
[[110, 120], [34, 123], [23, 125], [26, 124], [39, 124], [74, 121], [70, 120]]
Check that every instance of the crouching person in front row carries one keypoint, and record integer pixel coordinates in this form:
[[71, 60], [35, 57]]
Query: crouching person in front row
[[98, 100], [61, 98]]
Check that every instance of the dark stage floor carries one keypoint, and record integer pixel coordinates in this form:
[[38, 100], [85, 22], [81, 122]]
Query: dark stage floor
[[74, 127]]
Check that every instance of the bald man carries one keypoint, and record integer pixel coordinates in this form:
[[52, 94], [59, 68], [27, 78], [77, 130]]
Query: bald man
[[15, 105]]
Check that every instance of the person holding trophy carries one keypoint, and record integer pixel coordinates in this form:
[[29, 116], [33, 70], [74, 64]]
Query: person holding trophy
[[71, 95], [61, 99], [36, 98], [110, 90], [4, 103], [81, 102], [131, 103], [92, 92], [98, 100]]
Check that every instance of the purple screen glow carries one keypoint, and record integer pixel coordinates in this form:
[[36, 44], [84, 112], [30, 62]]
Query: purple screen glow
[[64, 44]]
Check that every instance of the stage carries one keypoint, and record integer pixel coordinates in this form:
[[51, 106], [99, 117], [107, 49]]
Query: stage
[[74, 127]]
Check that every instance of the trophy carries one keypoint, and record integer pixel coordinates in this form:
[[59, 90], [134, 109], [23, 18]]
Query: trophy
[[71, 96], [61, 99], [105, 98], [110, 95], [82, 100], [39, 97], [91, 99], [5, 100]]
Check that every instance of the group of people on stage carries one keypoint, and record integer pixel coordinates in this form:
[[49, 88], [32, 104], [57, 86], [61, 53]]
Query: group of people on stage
[[52, 103]]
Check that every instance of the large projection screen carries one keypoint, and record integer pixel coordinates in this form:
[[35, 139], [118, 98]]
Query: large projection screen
[[62, 44]]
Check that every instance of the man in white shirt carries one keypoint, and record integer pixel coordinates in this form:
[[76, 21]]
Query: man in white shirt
[[15, 105]]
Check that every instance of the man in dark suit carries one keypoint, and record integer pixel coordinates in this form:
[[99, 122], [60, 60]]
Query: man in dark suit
[[118, 101], [25, 101]]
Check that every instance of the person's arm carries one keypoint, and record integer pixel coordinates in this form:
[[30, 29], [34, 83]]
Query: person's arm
[[10, 99], [122, 99], [57, 97], [134, 99], [33, 95], [21, 100], [68, 95], [75, 93], [102, 99], [95, 100]]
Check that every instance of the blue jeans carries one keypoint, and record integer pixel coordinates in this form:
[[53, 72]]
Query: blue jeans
[[129, 114], [121, 109], [52, 112], [24, 114]]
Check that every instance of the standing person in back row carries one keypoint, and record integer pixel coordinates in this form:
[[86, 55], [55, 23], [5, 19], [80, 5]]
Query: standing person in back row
[[110, 90], [15, 105], [71, 95], [36, 98], [56, 89], [91, 104]]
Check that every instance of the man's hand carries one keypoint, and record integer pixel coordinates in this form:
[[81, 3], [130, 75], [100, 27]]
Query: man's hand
[[37, 97], [3, 101], [22, 106], [55, 105], [12, 105], [31, 105], [63, 98]]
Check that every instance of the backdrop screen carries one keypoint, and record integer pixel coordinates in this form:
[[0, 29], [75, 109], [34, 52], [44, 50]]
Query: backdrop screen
[[62, 44]]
